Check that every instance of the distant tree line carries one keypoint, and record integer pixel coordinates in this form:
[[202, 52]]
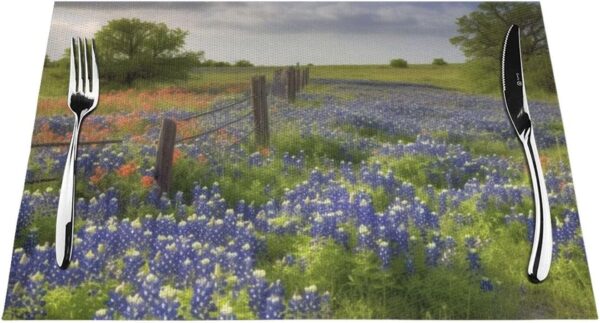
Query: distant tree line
[[213, 63], [402, 63]]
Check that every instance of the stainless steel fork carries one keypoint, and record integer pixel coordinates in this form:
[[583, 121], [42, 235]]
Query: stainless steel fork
[[82, 99]]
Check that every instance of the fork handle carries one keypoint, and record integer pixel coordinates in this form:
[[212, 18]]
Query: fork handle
[[66, 204], [541, 251]]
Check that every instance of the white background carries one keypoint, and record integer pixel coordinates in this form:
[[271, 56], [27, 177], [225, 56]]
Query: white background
[[573, 35]]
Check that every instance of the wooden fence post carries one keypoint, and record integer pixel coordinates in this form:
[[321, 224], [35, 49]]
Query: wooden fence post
[[164, 156], [261, 111], [298, 84], [278, 87], [306, 76], [291, 84]]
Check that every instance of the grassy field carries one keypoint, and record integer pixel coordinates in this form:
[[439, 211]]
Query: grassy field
[[213, 80], [451, 77], [448, 76]]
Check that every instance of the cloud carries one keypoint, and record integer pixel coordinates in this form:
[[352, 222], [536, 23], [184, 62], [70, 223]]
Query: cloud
[[230, 30]]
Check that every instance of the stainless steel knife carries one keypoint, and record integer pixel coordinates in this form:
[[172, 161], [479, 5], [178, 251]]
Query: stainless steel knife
[[515, 100]]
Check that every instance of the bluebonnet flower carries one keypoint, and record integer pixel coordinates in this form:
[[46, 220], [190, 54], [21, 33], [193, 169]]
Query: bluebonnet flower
[[116, 301], [432, 254], [135, 308], [296, 306], [201, 303], [166, 308], [486, 285], [31, 240], [26, 211], [288, 260], [133, 261], [474, 260], [274, 309], [257, 291], [312, 301], [384, 252], [255, 159], [365, 239]]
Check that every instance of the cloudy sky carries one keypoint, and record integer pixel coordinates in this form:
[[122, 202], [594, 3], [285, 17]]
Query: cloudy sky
[[269, 33]]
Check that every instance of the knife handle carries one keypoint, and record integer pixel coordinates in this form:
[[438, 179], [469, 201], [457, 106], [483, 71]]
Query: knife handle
[[66, 205], [541, 251]]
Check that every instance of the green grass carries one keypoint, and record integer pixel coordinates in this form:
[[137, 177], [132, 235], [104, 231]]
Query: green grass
[[450, 76], [212, 80], [374, 133], [241, 181], [78, 302], [361, 290], [457, 77], [209, 80], [314, 146]]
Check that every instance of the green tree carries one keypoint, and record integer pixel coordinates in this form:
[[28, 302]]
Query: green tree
[[48, 62], [481, 35], [131, 49], [243, 63], [213, 63], [439, 61], [222, 64], [399, 62]]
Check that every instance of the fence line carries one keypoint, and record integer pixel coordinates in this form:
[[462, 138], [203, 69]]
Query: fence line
[[228, 106], [285, 85], [41, 180], [215, 128], [82, 143], [287, 82], [242, 138]]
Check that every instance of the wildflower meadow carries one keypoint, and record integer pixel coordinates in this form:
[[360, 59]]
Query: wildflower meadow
[[374, 200], [327, 163]]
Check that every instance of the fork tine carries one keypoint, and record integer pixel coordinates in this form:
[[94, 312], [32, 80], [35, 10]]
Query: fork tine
[[95, 77], [79, 66], [86, 86], [72, 81]]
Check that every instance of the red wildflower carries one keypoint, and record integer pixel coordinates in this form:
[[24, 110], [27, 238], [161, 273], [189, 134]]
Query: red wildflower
[[265, 152], [127, 169], [147, 181], [99, 173], [177, 154]]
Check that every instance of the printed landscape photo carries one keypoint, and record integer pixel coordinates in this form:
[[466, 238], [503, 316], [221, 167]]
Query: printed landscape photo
[[336, 160]]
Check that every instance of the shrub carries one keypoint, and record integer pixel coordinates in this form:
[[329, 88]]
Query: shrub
[[399, 63], [439, 61], [243, 63], [213, 63]]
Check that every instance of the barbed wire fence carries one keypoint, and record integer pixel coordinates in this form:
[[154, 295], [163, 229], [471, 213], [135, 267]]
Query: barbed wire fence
[[254, 106], [66, 144]]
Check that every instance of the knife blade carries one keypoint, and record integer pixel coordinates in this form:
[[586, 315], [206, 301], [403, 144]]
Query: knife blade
[[515, 101]]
